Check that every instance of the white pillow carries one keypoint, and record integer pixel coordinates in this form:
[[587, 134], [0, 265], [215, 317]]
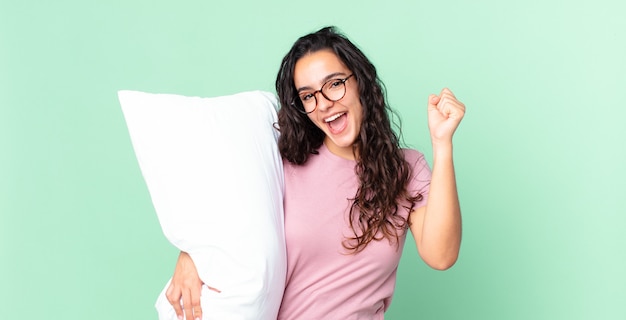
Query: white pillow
[[215, 177]]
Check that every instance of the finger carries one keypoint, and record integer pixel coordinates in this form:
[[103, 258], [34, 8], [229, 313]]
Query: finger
[[187, 306], [447, 91], [446, 104], [433, 100], [197, 313], [195, 304], [179, 310], [451, 108], [454, 103], [173, 296]]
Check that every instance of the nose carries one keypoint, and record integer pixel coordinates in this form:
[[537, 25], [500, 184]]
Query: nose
[[322, 102]]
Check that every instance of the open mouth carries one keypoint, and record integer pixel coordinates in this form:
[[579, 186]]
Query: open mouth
[[337, 122]]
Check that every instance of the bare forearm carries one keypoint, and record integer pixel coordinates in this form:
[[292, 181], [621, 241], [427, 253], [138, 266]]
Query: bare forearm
[[441, 230]]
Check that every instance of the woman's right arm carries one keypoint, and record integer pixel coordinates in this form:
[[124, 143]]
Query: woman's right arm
[[185, 284]]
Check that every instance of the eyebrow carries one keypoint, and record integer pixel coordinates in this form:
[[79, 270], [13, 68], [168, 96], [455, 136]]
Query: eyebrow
[[326, 78]]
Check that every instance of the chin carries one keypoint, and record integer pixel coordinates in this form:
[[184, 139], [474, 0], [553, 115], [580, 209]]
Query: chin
[[342, 142]]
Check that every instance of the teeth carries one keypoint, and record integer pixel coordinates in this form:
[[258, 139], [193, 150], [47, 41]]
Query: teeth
[[333, 118]]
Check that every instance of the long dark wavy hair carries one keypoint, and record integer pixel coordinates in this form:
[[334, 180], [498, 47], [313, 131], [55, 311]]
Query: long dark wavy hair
[[381, 168]]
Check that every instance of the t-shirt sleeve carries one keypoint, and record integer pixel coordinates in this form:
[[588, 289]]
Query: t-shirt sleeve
[[420, 176]]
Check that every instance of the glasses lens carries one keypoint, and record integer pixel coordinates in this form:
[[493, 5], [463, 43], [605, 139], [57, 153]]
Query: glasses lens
[[334, 89], [308, 101]]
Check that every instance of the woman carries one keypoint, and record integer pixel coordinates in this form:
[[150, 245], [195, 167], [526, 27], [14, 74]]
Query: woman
[[350, 191]]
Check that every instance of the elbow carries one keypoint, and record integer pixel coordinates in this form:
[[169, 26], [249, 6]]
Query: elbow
[[442, 264], [441, 261]]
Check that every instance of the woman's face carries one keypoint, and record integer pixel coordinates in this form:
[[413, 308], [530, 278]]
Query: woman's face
[[339, 120]]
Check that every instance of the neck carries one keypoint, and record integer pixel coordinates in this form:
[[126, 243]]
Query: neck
[[349, 153]]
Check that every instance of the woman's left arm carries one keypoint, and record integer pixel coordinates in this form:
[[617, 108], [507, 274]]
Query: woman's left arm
[[436, 226]]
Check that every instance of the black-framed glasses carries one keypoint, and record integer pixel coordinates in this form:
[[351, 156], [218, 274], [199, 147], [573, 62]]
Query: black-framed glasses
[[333, 90]]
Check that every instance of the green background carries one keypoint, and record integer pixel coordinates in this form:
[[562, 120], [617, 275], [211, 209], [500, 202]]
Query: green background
[[539, 155]]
